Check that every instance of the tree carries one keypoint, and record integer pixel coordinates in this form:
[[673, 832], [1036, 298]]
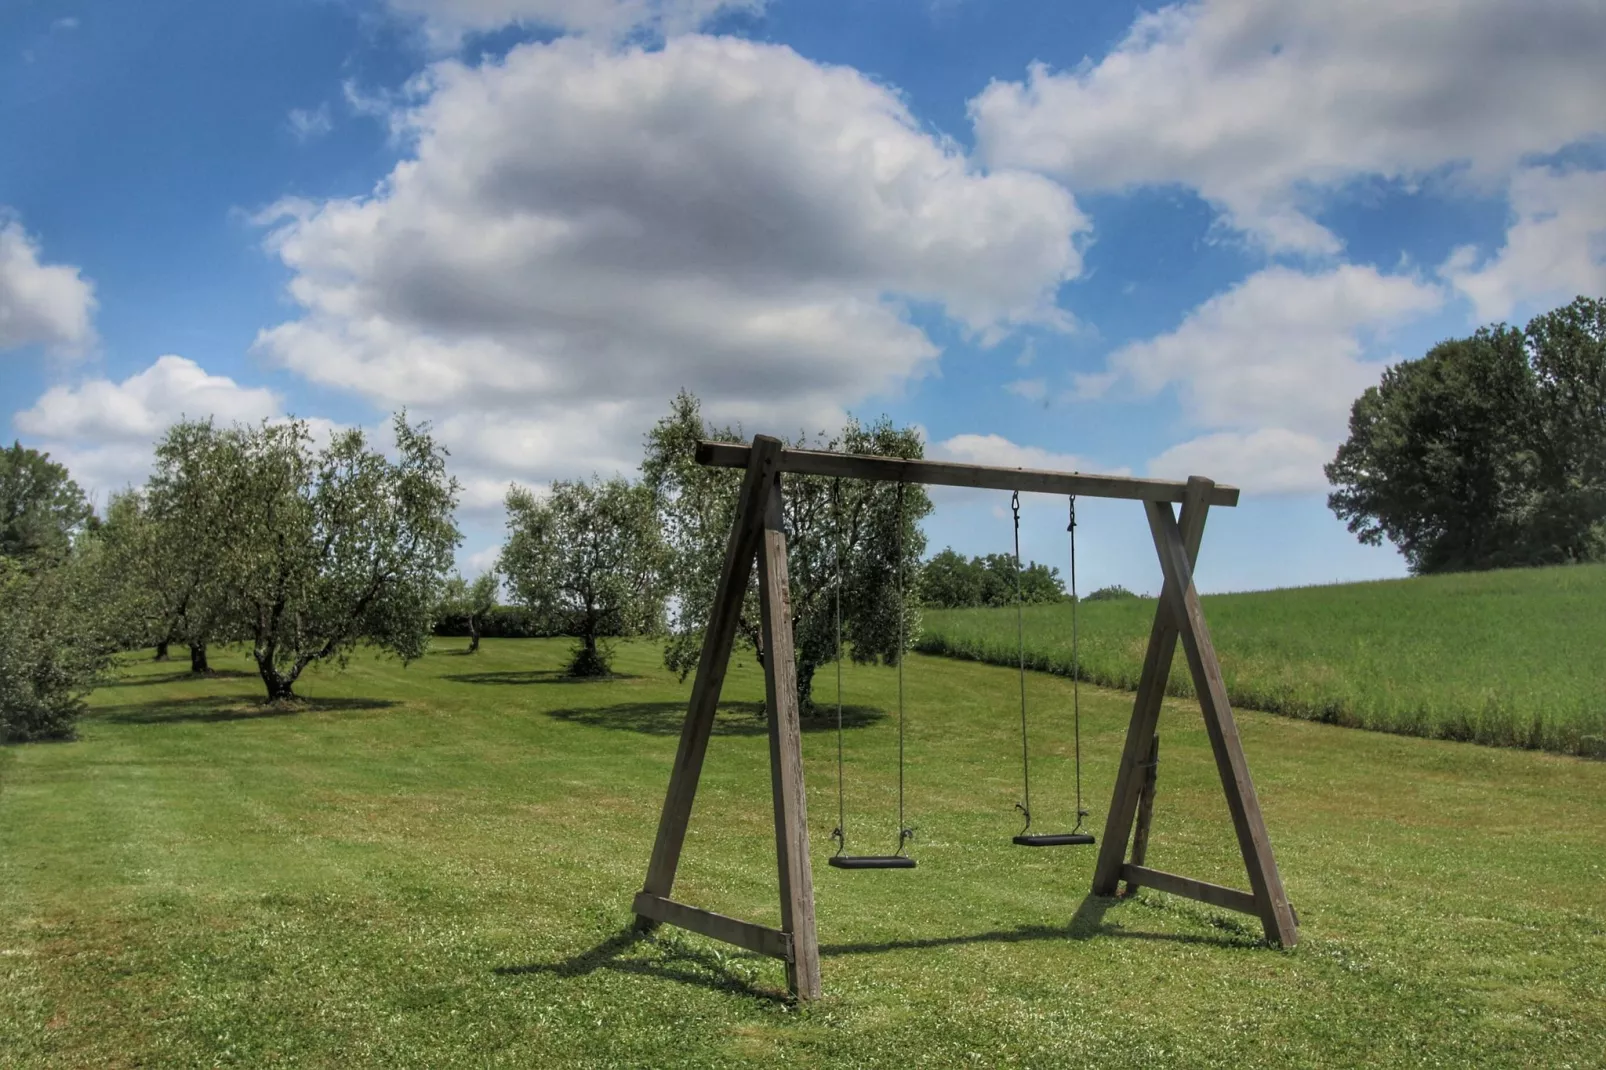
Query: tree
[[951, 581], [331, 548], [1488, 452], [40, 506], [587, 557], [189, 515], [1440, 460], [469, 602], [1567, 348], [851, 531]]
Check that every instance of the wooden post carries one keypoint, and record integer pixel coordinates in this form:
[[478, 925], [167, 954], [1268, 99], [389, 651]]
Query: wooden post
[[711, 666], [1270, 900], [1140, 838], [786, 756], [1146, 706]]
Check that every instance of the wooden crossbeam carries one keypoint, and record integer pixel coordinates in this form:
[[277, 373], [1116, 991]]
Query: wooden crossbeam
[[1215, 894], [759, 938], [950, 474]]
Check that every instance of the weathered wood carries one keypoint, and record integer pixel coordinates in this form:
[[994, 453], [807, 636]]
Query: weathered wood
[[950, 474], [740, 551], [1205, 892], [1253, 841], [786, 755], [1146, 708], [759, 938], [1140, 837]]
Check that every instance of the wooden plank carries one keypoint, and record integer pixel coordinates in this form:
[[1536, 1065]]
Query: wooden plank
[[1140, 838], [740, 550], [759, 938], [950, 474], [786, 755], [1146, 708], [1215, 894], [1244, 805]]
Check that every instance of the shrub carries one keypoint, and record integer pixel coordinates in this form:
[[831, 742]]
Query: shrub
[[1109, 594]]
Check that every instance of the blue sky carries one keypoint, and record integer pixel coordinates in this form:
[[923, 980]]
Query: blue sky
[[1158, 240]]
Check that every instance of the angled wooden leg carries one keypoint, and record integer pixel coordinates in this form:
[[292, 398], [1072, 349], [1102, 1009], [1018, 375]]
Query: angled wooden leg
[[1140, 837], [740, 551], [1146, 706], [1270, 900], [786, 757]]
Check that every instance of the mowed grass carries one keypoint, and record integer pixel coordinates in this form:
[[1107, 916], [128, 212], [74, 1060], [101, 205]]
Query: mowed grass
[[1510, 658], [431, 866]]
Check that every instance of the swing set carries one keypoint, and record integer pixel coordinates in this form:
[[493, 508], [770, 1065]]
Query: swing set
[[758, 532]]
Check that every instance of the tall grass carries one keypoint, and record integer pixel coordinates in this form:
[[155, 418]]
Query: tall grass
[[1513, 658]]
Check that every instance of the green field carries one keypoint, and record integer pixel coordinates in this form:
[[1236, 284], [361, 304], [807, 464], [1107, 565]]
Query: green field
[[431, 866], [1510, 658]]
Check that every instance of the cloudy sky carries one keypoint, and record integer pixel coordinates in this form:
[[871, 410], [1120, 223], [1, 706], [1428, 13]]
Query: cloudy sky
[[1159, 240]]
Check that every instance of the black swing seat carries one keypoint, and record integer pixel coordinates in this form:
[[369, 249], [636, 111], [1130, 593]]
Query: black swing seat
[[872, 862], [1055, 839]]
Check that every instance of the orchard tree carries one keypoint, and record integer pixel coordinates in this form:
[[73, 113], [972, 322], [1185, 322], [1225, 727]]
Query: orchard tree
[[189, 524], [863, 535], [469, 602], [588, 558], [40, 507], [326, 549]]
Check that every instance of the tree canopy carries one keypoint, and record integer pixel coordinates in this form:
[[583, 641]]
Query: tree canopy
[[40, 506], [950, 580], [1488, 452], [863, 535], [588, 557], [328, 548]]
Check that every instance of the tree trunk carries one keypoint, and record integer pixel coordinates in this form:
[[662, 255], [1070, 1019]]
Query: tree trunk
[[161, 650], [198, 658], [473, 633], [280, 686]]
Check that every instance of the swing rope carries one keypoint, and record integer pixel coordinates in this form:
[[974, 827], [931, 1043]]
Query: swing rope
[[1025, 806], [840, 833], [841, 859], [905, 833], [1076, 670]]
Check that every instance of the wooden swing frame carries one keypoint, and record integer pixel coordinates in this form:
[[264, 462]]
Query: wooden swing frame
[[758, 533]]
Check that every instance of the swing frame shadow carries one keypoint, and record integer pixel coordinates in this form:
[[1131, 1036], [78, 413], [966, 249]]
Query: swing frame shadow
[[758, 533]]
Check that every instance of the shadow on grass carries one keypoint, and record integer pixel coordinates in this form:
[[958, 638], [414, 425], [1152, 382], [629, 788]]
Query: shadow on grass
[[670, 960], [1088, 922], [181, 675], [516, 678], [733, 718], [209, 708]]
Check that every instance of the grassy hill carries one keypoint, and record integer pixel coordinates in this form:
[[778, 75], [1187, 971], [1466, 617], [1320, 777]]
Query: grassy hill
[[431, 866], [1511, 658]]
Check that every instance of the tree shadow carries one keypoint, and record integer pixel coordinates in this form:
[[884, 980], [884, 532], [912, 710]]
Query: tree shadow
[[212, 708], [672, 959], [519, 677], [1088, 922], [180, 675], [731, 719]]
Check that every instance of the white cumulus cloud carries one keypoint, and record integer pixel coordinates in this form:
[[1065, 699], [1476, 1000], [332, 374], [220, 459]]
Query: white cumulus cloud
[[1555, 249], [41, 304], [1262, 106], [578, 233], [1273, 460], [103, 430]]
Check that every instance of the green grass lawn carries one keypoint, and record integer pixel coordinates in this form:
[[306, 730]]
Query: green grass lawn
[[431, 866], [1511, 658]]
